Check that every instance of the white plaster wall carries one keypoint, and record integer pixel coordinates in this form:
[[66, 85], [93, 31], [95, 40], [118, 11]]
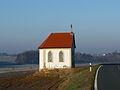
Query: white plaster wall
[[43, 53], [41, 59]]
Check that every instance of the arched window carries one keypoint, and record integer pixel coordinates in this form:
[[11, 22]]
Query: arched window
[[61, 56], [49, 56]]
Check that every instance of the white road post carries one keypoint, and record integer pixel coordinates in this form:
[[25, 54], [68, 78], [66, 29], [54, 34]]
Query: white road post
[[90, 67]]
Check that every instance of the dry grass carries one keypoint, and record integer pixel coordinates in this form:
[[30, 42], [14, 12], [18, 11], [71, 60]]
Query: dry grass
[[79, 78], [64, 79]]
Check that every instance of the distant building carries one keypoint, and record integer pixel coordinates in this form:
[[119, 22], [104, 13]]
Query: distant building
[[57, 51]]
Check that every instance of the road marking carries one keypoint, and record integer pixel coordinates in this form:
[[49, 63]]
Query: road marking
[[95, 83]]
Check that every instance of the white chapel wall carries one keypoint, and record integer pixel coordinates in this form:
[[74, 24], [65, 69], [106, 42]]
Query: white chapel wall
[[43, 59]]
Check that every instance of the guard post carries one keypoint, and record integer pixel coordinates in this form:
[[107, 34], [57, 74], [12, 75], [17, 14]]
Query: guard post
[[90, 67]]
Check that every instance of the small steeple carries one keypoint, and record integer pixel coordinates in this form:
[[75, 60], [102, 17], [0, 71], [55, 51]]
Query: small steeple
[[71, 27]]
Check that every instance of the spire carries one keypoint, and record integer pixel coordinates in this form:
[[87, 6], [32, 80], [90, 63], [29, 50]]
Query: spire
[[71, 27]]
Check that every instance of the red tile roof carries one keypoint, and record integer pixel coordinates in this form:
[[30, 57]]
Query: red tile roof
[[59, 40]]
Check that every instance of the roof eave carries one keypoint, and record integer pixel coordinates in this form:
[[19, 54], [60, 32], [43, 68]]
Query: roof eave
[[53, 47]]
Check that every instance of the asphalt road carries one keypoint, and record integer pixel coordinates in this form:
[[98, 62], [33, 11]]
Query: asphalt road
[[109, 77]]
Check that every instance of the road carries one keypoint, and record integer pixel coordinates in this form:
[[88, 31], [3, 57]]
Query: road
[[109, 77]]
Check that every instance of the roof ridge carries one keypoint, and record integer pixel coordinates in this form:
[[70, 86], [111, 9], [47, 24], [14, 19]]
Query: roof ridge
[[62, 32]]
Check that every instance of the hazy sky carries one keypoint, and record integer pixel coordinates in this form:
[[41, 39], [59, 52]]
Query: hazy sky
[[24, 24]]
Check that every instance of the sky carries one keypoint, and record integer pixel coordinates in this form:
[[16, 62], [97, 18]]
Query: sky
[[24, 24]]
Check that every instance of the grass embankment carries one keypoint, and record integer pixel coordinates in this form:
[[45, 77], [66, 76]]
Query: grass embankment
[[79, 78], [64, 79]]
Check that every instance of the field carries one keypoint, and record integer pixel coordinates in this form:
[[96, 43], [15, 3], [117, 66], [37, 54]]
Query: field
[[8, 58], [64, 79]]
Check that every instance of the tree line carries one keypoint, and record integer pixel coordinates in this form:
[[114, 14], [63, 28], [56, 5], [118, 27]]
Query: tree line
[[32, 57]]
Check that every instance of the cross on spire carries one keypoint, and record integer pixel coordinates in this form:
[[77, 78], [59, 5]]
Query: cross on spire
[[71, 27]]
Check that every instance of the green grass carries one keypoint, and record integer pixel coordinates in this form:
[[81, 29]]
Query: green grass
[[80, 79]]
